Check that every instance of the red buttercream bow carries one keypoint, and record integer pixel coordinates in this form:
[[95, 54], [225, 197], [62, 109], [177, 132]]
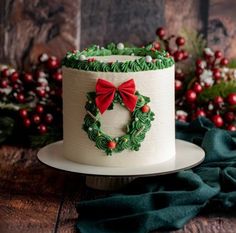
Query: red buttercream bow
[[105, 92]]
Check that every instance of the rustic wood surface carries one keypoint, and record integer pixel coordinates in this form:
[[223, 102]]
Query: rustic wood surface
[[28, 28], [35, 198]]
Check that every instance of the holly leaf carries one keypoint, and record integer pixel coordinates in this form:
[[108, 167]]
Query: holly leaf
[[6, 128], [195, 42]]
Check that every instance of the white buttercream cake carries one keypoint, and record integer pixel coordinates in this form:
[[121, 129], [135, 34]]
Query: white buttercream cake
[[119, 136]]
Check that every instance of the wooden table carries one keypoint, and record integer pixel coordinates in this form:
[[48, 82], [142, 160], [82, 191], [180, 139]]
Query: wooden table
[[36, 198]]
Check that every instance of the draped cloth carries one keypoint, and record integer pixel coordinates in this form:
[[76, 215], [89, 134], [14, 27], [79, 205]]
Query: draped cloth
[[168, 202]]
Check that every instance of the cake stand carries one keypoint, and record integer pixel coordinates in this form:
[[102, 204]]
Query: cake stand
[[187, 156]]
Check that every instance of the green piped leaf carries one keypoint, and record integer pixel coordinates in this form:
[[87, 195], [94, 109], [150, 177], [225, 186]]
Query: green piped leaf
[[72, 59]]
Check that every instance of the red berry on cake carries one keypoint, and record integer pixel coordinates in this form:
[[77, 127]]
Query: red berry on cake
[[153, 49], [156, 45], [91, 59], [145, 108], [111, 145]]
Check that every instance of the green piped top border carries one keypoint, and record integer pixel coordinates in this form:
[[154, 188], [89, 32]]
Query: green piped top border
[[151, 59]]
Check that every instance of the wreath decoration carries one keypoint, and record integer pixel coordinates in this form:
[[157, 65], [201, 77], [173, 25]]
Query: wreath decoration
[[103, 99]]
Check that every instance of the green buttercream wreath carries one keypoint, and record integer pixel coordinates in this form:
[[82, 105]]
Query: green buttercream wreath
[[136, 130]]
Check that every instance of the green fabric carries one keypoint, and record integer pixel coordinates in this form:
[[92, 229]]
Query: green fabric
[[168, 202]]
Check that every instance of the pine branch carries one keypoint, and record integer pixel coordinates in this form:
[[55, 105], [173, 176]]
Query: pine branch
[[6, 128], [195, 42], [37, 141], [222, 89], [232, 63], [9, 106]]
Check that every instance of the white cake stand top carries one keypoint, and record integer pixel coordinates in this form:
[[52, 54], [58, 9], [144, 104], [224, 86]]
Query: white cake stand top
[[187, 156]]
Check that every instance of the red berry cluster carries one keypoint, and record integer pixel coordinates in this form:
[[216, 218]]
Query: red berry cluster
[[213, 62], [208, 72], [178, 51], [36, 118], [174, 45], [36, 93], [219, 110]]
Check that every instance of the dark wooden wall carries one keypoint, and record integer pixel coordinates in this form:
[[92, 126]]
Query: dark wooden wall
[[28, 28]]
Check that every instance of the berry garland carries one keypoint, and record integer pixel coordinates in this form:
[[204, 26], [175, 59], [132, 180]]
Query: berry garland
[[205, 85], [31, 103], [140, 123]]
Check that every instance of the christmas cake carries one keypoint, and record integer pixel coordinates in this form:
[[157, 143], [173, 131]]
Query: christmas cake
[[118, 106]]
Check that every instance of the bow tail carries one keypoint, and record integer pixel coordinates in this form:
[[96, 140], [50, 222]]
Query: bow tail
[[129, 100], [104, 101]]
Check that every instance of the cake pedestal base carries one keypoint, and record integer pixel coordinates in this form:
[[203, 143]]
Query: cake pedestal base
[[187, 156], [108, 183]]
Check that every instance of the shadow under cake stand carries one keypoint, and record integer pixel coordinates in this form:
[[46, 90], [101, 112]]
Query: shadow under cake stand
[[187, 156]]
